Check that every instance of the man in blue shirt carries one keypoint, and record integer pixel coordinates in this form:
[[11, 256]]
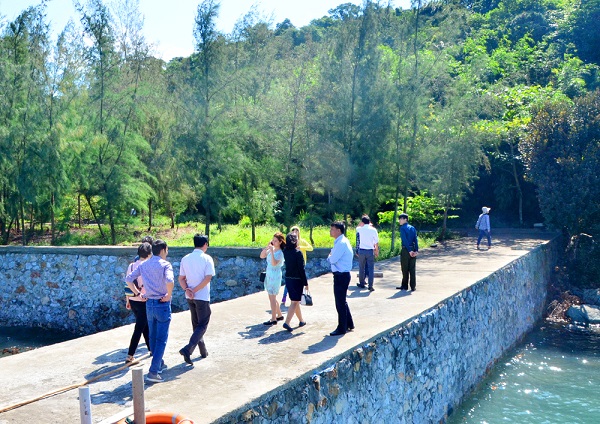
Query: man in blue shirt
[[157, 274], [340, 259], [408, 254], [484, 227]]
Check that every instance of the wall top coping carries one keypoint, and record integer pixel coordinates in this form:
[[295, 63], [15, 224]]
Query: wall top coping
[[131, 251]]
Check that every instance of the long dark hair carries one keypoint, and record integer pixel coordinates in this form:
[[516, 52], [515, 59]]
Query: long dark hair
[[291, 241]]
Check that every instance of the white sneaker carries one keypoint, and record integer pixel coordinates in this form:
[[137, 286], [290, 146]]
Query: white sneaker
[[154, 378]]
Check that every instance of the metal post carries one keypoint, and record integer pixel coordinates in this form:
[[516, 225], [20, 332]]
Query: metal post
[[137, 382], [85, 405]]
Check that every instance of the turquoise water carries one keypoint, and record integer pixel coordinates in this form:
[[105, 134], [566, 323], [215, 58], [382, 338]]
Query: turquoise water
[[25, 338], [552, 377]]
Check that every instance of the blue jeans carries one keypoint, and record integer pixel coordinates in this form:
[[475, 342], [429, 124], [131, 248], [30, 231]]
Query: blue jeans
[[159, 319], [485, 233]]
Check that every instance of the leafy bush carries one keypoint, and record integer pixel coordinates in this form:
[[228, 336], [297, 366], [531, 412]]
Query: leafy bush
[[422, 209]]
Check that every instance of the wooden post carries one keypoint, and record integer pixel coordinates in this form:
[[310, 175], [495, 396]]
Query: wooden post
[[85, 405], [137, 382]]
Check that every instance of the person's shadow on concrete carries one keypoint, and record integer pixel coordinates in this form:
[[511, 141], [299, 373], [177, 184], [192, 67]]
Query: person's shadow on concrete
[[254, 331], [117, 356], [359, 293], [400, 293], [280, 336], [327, 343]]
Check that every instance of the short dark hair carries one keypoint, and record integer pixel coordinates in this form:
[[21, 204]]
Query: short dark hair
[[158, 246], [340, 226], [403, 216], [365, 219], [291, 241], [144, 250], [200, 240], [148, 239]]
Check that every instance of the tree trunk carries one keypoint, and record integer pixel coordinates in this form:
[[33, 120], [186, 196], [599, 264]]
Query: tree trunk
[[22, 208], [149, 214], [517, 183], [207, 209], [79, 208], [95, 217], [172, 219], [113, 233], [444, 225], [253, 224], [52, 223]]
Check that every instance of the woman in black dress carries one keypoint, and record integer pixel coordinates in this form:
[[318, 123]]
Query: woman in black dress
[[295, 279]]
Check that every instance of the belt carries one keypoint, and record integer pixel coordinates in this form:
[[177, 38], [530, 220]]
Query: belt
[[366, 249], [340, 272]]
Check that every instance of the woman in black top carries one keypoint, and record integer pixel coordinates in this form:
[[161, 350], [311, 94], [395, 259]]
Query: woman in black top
[[295, 279]]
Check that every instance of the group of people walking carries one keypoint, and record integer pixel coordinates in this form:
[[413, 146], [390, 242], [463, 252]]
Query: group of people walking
[[150, 279], [290, 251], [150, 282]]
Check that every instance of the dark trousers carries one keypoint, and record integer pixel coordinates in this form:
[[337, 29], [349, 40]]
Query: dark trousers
[[366, 266], [141, 326], [200, 312], [341, 281], [409, 269], [482, 234]]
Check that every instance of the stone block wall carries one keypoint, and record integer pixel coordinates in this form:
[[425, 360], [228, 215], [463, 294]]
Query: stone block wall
[[81, 289], [420, 370]]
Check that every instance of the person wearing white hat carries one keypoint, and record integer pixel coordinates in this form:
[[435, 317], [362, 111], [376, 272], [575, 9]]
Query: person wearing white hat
[[483, 225]]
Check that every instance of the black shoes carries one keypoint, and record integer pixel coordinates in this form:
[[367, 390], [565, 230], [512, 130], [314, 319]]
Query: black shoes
[[401, 288], [287, 327], [280, 318], [337, 333], [302, 324], [362, 286], [270, 322], [186, 356], [371, 289]]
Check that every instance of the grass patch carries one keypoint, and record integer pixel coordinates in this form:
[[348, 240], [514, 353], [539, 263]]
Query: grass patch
[[228, 236]]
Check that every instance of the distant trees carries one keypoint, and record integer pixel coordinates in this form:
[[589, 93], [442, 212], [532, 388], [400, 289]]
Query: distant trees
[[277, 123], [562, 153]]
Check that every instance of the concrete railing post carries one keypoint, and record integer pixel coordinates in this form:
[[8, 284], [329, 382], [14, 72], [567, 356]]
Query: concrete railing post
[[85, 405], [137, 382]]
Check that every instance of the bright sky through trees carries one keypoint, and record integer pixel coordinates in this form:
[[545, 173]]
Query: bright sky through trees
[[169, 24]]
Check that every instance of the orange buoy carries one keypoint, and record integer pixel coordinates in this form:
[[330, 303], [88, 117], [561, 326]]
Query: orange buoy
[[160, 418]]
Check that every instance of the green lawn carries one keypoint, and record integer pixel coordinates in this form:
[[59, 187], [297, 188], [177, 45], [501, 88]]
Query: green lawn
[[229, 236]]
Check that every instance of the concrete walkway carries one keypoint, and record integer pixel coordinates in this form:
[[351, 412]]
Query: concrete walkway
[[246, 359]]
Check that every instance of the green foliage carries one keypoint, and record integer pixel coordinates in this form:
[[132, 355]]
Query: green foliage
[[275, 122], [563, 157], [423, 209]]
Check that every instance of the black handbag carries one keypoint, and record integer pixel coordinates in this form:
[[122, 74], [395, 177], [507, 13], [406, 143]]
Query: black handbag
[[306, 298], [262, 277]]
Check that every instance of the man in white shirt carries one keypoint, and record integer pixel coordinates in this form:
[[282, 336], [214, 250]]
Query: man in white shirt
[[367, 249], [340, 259], [195, 272]]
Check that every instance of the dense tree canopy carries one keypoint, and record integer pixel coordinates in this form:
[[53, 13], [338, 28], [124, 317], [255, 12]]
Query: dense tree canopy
[[274, 122]]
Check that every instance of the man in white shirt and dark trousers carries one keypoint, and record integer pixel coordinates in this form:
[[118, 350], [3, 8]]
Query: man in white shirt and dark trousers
[[340, 259], [195, 272], [367, 249]]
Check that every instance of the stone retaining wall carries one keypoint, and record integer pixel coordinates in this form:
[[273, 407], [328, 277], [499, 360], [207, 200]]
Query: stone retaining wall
[[420, 370], [81, 289]]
